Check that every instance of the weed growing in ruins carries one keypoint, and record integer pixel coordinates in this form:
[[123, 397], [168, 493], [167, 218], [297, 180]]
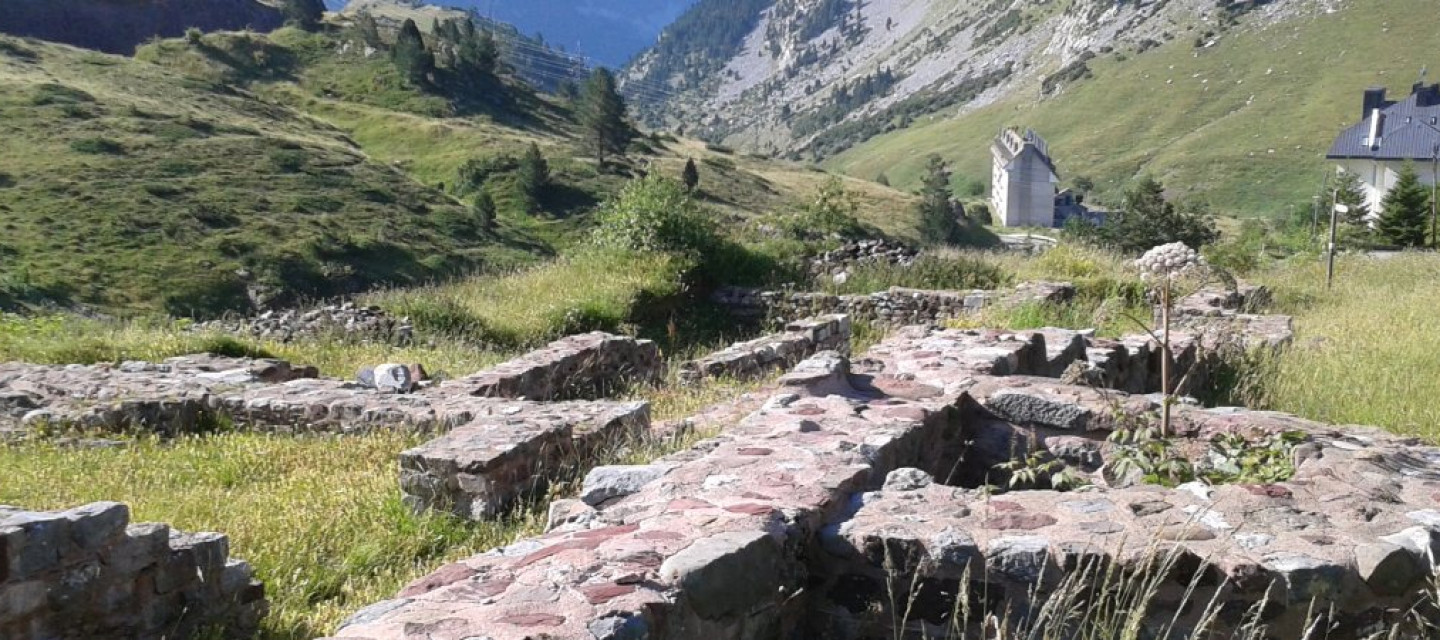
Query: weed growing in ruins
[[1040, 471], [1167, 268], [1153, 458], [1234, 459]]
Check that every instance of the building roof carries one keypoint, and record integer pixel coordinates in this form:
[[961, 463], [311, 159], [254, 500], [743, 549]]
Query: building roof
[[1012, 144], [1407, 130]]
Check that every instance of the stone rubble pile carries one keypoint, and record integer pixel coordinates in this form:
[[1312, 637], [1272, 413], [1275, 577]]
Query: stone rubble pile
[[862, 252], [893, 308], [755, 358], [348, 320], [89, 573]]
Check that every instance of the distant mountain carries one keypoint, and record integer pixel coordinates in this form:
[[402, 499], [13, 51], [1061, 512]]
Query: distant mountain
[[1229, 101], [610, 31]]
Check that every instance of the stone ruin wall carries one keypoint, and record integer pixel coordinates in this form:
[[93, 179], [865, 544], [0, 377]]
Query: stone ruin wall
[[756, 358], [789, 522], [896, 307], [89, 573], [770, 528]]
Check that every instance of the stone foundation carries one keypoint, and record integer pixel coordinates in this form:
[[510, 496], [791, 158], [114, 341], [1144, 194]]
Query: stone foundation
[[894, 308], [583, 366], [88, 573], [755, 358], [789, 522], [478, 469]]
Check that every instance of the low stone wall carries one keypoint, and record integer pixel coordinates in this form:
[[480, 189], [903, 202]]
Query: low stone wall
[[586, 365], [477, 470], [755, 358], [348, 320], [894, 308], [88, 573], [862, 252]]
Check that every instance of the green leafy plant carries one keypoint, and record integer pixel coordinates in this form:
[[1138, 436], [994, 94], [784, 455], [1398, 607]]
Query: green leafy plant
[[1155, 458], [656, 213], [1037, 470], [1235, 459]]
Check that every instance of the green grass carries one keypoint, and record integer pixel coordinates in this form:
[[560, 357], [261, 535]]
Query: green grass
[[1367, 351], [586, 291], [1187, 116], [140, 188]]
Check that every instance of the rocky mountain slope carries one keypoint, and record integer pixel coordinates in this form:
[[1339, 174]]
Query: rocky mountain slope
[[118, 26], [1115, 86]]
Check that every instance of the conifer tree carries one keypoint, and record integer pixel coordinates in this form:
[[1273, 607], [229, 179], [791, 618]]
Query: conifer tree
[[691, 175], [411, 56], [305, 14], [1405, 215], [937, 212], [368, 30], [485, 210], [1350, 193], [602, 113], [533, 175]]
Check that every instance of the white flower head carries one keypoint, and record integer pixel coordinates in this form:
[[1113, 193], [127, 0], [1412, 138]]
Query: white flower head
[[1169, 261]]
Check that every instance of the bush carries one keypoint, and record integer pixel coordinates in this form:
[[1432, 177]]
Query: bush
[[97, 146], [656, 213], [287, 160], [1147, 220], [831, 213]]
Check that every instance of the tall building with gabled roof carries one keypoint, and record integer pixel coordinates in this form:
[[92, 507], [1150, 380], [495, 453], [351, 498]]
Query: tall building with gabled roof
[[1024, 179]]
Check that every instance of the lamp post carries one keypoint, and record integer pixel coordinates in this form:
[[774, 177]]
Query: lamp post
[[1335, 212], [1434, 206]]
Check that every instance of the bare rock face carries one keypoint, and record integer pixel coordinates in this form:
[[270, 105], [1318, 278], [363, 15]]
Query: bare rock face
[[89, 573]]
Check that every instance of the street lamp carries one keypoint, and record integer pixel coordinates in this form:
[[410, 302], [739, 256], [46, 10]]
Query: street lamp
[[1335, 212]]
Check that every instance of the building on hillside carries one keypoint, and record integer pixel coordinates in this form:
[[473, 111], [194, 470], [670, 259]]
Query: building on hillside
[[1023, 181], [1389, 135], [1023, 189]]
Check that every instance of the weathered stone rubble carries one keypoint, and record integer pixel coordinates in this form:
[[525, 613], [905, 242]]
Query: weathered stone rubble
[[586, 365], [755, 358], [89, 573], [862, 252], [347, 320], [897, 307], [786, 524]]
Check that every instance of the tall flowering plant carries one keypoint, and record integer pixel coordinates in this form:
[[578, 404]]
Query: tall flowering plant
[[1164, 269]]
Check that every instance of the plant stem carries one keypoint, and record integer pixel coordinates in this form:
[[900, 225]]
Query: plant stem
[[1165, 389]]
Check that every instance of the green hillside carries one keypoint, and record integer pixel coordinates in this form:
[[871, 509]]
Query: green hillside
[[236, 169], [1243, 124], [132, 186]]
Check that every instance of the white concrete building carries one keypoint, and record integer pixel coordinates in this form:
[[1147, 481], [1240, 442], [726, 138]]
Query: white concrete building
[[1390, 135], [1023, 184]]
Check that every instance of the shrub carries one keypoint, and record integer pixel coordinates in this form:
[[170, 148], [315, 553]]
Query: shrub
[[97, 146], [655, 213], [929, 271], [1147, 219], [831, 213], [287, 160]]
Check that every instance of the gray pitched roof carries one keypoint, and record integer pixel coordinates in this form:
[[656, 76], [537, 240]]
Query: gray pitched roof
[[1407, 132]]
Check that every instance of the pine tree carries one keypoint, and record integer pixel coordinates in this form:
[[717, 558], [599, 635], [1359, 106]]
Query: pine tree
[[602, 112], [368, 30], [1146, 220], [937, 212], [485, 210], [305, 14], [1350, 193], [1405, 217], [411, 56], [532, 176], [478, 55], [691, 175]]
